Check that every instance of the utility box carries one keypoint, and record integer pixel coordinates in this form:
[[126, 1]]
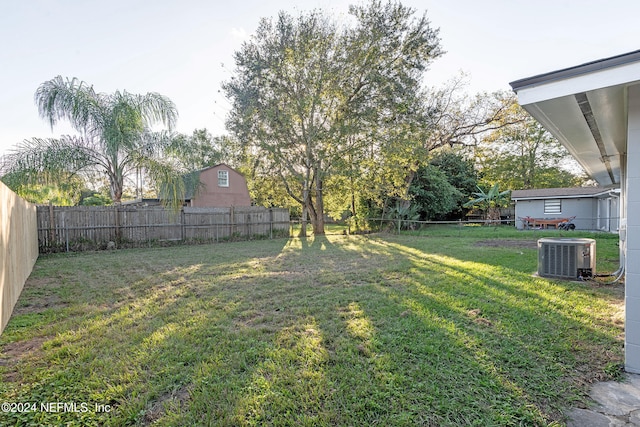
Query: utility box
[[566, 258]]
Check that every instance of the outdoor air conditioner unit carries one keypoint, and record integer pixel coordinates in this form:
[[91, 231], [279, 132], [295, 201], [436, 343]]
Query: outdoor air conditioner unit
[[566, 258]]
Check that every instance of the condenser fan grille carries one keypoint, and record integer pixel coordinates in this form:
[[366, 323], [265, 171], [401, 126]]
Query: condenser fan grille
[[566, 258]]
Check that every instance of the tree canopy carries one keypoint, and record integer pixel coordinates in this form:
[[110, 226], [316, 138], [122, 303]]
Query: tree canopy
[[328, 117], [308, 94], [524, 155], [201, 149], [442, 187]]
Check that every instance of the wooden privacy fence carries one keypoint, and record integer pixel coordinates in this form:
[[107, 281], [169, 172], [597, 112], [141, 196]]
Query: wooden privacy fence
[[77, 228], [18, 248]]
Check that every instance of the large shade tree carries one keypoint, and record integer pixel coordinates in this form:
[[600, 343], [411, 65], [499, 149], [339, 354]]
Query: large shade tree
[[114, 138], [443, 117], [308, 94]]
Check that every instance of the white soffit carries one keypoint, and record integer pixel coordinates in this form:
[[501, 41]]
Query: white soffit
[[563, 118], [585, 108]]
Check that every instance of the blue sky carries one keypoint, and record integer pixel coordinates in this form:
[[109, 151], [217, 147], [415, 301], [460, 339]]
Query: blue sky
[[184, 48]]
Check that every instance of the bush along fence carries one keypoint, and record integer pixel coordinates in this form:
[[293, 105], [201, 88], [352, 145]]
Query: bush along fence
[[78, 228]]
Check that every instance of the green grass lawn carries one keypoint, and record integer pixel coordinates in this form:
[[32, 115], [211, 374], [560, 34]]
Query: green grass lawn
[[440, 328]]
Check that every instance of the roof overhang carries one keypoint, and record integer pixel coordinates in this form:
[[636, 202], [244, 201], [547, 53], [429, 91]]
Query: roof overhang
[[520, 199], [585, 108], [599, 195]]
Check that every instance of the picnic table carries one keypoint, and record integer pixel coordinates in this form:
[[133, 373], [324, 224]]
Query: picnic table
[[544, 222]]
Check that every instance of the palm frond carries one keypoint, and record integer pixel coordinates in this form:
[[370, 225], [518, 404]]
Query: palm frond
[[114, 136], [168, 180], [69, 99], [46, 161], [154, 108]]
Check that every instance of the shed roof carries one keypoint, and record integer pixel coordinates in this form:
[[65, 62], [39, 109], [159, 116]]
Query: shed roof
[[559, 193]]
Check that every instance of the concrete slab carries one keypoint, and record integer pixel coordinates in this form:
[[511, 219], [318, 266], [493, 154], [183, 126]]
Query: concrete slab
[[617, 398], [616, 403], [589, 418]]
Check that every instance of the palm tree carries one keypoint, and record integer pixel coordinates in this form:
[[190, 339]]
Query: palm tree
[[114, 137], [490, 203]]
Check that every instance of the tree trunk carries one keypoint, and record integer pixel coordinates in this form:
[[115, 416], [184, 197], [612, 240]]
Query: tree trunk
[[354, 217], [493, 216], [303, 219], [305, 207], [318, 220], [353, 221], [116, 192], [116, 182]]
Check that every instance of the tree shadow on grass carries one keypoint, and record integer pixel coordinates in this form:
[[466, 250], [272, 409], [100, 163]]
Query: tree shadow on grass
[[421, 357], [522, 345], [130, 335], [537, 334], [334, 331]]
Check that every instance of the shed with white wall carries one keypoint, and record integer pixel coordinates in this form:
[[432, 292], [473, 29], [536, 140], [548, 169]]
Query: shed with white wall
[[594, 208]]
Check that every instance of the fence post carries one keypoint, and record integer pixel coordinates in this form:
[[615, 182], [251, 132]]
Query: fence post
[[146, 227], [117, 224], [271, 223], [182, 236], [66, 231], [52, 227], [231, 222]]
